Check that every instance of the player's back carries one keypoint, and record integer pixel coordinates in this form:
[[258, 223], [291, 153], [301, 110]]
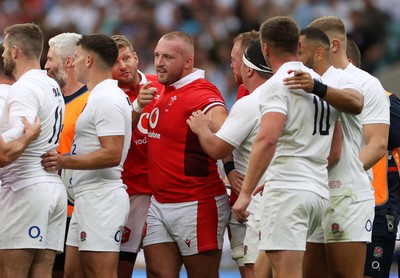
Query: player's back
[[34, 94], [300, 159]]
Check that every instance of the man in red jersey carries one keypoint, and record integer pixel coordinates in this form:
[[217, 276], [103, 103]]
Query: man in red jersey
[[240, 43], [189, 208], [134, 175]]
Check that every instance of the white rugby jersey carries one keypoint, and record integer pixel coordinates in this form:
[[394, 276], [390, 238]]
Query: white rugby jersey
[[300, 158], [108, 112], [239, 130], [376, 102], [4, 89], [348, 177], [34, 94]]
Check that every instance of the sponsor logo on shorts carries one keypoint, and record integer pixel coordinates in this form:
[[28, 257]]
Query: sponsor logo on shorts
[[83, 236], [245, 248], [117, 236], [126, 234], [376, 265], [187, 241], [368, 226], [34, 232], [378, 252]]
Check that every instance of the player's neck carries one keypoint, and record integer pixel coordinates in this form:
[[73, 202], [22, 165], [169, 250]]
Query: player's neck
[[71, 88], [277, 61], [255, 83], [96, 77], [24, 66], [321, 67], [340, 61]]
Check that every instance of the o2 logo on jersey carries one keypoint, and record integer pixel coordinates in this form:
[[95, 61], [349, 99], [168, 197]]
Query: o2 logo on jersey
[[143, 123], [34, 232], [153, 119]]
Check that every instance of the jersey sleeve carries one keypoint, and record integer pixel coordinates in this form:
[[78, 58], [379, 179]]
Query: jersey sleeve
[[238, 124], [376, 105], [22, 104], [109, 118], [207, 97], [273, 98]]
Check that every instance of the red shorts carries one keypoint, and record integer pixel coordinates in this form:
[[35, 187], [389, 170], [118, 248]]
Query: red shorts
[[195, 226]]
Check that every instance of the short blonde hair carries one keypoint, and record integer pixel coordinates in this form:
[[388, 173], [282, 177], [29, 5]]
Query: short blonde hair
[[333, 26]]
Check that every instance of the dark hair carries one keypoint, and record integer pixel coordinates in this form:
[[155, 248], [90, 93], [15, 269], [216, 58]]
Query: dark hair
[[103, 45], [353, 52], [316, 34], [28, 37], [254, 55], [281, 33]]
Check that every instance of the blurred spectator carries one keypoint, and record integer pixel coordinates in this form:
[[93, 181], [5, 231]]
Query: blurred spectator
[[369, 32], [211, 23]]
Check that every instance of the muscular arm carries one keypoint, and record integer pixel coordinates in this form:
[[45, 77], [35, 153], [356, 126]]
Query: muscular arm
[[336, 147], [347, 100], [217, 116], [109, 155], [201, 125], [263, 150], [376, 137], [10, 151]]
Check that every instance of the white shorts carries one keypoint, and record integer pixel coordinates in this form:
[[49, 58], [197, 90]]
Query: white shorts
[[288, 217], [346, 221], [251, 240], [97, 221], [133, 230], [33, 217], [236, 234], [195, 226]]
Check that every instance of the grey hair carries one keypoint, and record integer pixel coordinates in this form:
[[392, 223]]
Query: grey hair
[[65, 43]]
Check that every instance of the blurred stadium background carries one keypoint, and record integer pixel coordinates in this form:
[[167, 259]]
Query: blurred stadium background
[[373, 24]]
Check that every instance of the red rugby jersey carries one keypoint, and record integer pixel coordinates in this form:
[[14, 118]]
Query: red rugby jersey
[[179, 170], [241, 92], [134, 174]]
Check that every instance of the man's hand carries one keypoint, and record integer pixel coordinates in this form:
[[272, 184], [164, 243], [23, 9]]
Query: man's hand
[[235, 181], [240, 206], [146, 94], [198, 121], [52, 161], [32, 130], [300, 80], [259, 189]]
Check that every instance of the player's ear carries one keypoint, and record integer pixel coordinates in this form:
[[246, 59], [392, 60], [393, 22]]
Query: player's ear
[[68, 62], [189, 63], [335, 45], [89, 61]]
